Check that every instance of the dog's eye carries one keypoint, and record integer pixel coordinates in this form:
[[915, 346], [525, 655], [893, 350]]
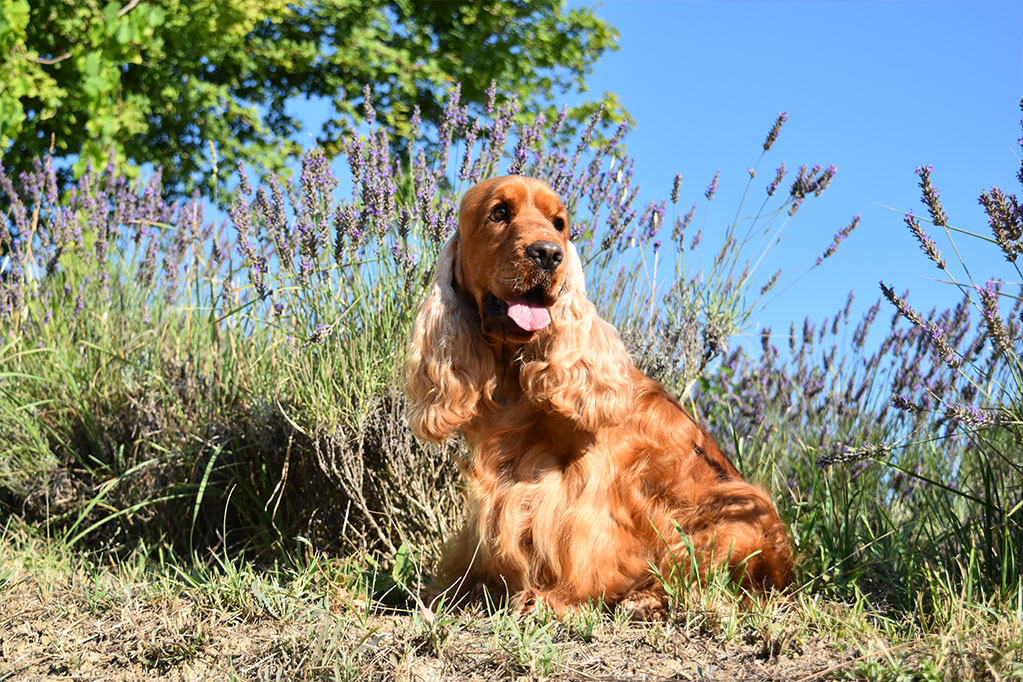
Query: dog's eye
[[499, 214], [559, 224]]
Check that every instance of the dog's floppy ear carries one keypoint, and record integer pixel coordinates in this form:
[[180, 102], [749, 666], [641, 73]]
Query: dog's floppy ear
[[581, 369], [448, 368]]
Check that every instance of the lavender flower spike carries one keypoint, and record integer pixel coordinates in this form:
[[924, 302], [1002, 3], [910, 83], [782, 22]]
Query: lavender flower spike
[[841, 453], [989, 309], [926, 243], [971, 415], [901, 402], [770, 283], [1005, 216], [778, 176], [367, 105], [942, 345], [901, 305], [713, 186], [772, 134], [931, 198], [839, 237]]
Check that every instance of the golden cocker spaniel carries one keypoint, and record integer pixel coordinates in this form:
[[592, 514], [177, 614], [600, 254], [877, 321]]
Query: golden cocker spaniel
[[579, 465]]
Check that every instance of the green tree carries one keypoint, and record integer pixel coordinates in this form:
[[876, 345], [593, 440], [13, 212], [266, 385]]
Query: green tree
[[162, 82]]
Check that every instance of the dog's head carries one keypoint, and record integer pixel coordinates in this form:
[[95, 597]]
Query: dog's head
[[510, 280], [511, 263]]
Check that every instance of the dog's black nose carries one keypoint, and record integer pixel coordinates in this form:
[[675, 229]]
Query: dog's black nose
[[547, 255]]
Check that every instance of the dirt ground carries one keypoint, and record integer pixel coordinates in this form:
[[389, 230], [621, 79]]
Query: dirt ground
[[66, 633]]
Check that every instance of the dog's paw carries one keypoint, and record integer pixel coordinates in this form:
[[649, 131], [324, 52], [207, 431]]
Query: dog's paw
[[526, 602], [530, 601], [645, 605]]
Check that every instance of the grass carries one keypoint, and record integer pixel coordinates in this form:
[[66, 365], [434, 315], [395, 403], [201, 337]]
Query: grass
[[147, 615], [205, 470]]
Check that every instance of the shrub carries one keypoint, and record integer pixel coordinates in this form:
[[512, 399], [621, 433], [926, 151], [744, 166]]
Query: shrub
[[901, 460], [241, 373]]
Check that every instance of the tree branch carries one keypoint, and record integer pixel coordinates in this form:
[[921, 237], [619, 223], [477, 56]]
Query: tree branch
[[49, 60], [127, 8]]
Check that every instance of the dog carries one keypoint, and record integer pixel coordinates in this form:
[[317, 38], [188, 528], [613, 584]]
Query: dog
[[581, 470]]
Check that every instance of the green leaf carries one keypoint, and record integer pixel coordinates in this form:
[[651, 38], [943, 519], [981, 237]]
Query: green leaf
[[92, 64], [404, 565], [110, 15], [155, 17], [125, 33], [200, 493], [93, 86], [14, 17]]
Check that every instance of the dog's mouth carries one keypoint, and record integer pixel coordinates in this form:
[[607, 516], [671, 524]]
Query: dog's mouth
[[528, 312]]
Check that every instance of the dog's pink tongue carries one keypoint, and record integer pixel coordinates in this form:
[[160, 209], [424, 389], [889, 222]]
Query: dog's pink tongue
[[529, 316]]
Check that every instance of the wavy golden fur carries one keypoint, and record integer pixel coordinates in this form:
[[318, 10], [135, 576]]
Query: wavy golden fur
[[579, 465]]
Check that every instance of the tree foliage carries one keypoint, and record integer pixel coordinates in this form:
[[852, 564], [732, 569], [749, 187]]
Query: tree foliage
[[166, 82]]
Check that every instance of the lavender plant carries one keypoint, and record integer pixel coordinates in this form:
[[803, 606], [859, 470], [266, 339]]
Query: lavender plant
[[153, 356], [682, 330], [901, 458], [984, 408]]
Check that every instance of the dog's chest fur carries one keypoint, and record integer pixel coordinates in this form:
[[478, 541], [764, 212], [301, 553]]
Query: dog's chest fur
[[550, 507]]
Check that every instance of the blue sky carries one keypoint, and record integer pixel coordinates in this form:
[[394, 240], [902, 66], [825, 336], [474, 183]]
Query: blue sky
[[875, 88]]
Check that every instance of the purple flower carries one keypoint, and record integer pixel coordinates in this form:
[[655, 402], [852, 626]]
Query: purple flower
[[840, 453], [992, 319], [17, 209], [368, 112], [712, 187], [79, 301], [491, 94], [926, 243], [901, 402], [696, 240], [1005, 216], [941, 344], [973, 416], [931, 198], [319, 335], [318, 183], [652, 219], [469, 141], [839, 238], [529, 138], [147, 268], [901, 305], [824, 180], [772, 134], [558, 122], [275, 220], [770, 283], [415, 123], [681, 223], [243, 180], [765, 340], [450, 122], [860, 333], [813, 181]]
